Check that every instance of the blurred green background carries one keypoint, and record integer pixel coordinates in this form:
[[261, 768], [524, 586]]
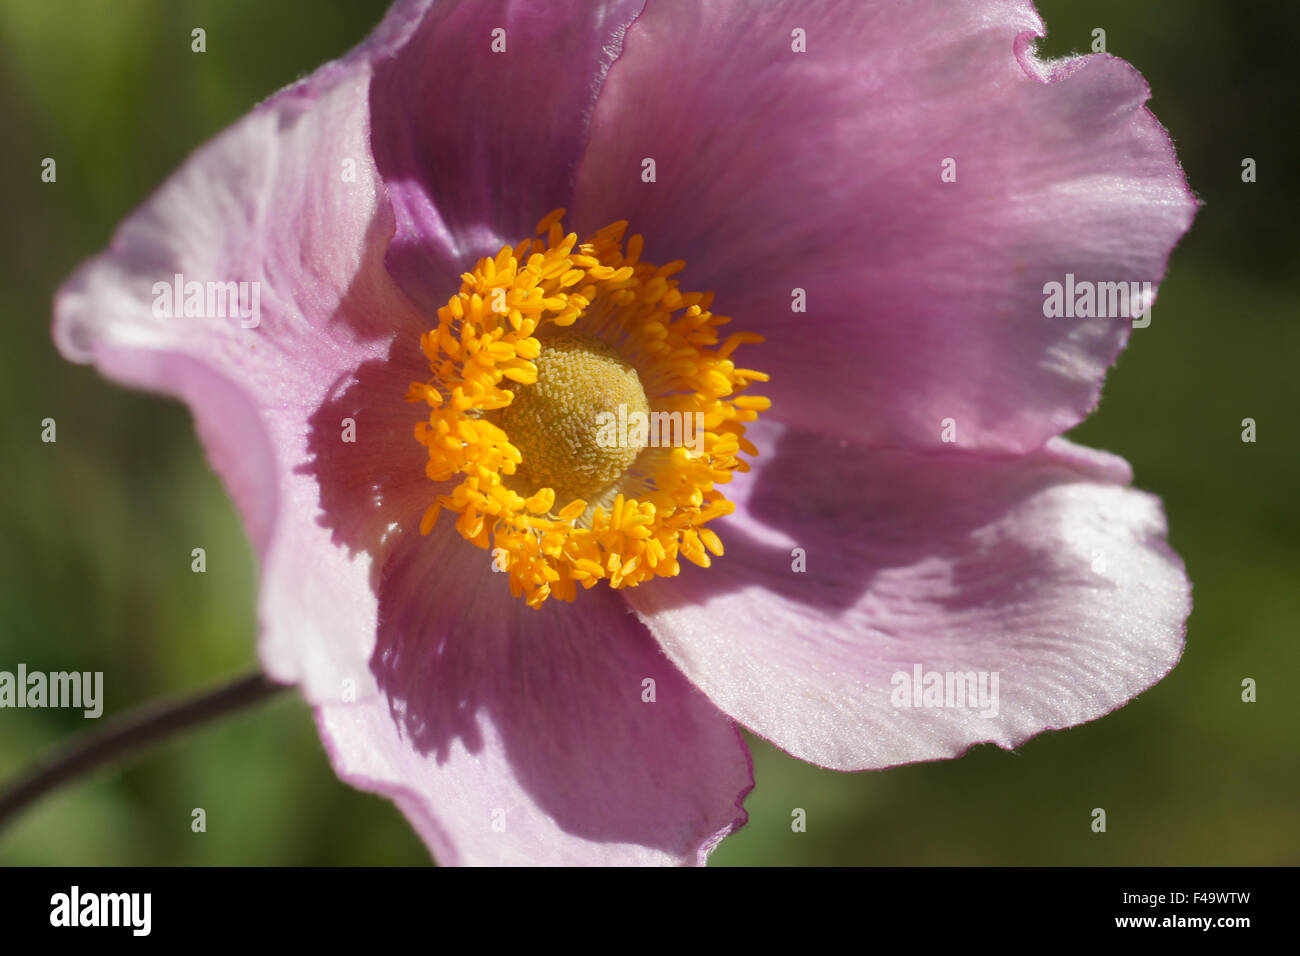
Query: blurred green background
[[97, 529]]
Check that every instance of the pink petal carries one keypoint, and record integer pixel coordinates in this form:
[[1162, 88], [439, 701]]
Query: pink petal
[[269, 202], [475, 145], [1044, 569], [533, 721], [821, 170]]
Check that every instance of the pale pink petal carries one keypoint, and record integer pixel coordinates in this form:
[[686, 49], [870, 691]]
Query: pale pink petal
[[287, 199], [1044, 569], [821, 171], [479, 123], [520, 736]]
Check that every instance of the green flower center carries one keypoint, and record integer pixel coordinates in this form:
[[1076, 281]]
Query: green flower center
[[556, 422]]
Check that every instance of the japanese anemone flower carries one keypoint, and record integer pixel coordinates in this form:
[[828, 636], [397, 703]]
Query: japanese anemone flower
[[530, 639]]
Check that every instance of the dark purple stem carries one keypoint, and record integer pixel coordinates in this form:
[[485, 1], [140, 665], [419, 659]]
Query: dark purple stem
[[126, 736]]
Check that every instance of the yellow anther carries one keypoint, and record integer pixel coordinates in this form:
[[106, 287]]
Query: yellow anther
[[550, 369]]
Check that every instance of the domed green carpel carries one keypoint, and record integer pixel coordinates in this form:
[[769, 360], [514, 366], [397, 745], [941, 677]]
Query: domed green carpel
[[556, 422]]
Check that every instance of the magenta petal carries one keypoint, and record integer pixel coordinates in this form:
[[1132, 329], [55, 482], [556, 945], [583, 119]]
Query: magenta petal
[[477, 145], [1043, 569], [270, 201], [514, 736], [778, 170]]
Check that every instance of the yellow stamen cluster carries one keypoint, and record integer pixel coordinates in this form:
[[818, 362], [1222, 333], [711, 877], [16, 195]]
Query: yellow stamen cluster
[[630, 325]]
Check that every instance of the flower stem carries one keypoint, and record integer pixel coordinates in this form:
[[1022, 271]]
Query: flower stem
[[127, 735]]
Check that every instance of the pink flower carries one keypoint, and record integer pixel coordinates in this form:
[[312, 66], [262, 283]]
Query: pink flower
[[912, 175]]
